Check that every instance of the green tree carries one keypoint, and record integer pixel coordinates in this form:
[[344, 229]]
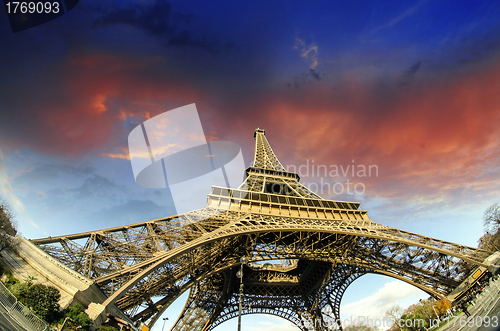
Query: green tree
[[43, 301], [413, 322], [107, 328], [77, 314], [20, 291], [362, 327], [417, 316]]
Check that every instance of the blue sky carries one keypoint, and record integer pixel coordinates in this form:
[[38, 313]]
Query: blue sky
[[408, 86]]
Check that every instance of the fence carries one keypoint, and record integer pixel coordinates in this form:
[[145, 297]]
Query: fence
[[20, 313]]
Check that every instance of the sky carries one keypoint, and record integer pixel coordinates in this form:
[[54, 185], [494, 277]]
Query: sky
[[408, 89]]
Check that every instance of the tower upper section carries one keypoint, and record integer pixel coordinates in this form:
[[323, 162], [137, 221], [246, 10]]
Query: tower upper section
[[267, 175], [264, 157]]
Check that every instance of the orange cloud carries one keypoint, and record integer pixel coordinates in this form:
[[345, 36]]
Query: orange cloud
[[125, 156], [83, 109], [434, 138]]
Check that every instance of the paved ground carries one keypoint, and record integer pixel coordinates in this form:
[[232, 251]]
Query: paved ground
[[7, 323], [485, 313]]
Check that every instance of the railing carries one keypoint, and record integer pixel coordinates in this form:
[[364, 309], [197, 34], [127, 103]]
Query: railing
[[19, 312]]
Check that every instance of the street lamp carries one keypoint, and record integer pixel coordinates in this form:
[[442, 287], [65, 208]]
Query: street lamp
[[239, 274], [164, 320]]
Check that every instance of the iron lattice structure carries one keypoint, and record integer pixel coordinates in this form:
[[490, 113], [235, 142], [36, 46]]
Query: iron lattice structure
[[325, 246]]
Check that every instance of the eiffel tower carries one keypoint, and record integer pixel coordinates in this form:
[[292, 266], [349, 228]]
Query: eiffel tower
[[323, 245]]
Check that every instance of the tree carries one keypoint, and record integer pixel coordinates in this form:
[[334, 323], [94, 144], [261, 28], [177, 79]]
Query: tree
[[77, 314], [417, 316], [492, 218], [361, 327], [413, 318], [394, 314], [107, 328], [442, 306], [491, 239], [427, 309], [43, 301], [20, 291], [413, 322], [487, 242], [7, 228]]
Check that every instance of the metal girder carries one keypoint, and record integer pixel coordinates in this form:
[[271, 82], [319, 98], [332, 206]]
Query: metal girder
[[144, 267]]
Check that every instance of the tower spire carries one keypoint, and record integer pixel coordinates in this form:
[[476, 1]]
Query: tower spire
[[264, 156], [267, 175]]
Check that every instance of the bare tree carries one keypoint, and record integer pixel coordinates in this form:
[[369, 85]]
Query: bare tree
[[491, 239], [394, 314], [361, 327], [489, 242], [492, 219], [7, 229]]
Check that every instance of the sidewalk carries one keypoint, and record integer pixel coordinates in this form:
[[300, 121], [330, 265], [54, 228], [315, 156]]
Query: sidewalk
[[485, 312], [7, 323]]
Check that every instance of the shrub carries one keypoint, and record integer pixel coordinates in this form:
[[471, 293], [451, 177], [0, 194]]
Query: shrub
[[107, 328], [77, 314], [11, 280], [20, 291], [43, 301], [413, 322]]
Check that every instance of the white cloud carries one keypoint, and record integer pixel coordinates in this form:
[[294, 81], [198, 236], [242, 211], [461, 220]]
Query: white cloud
[[374, 306], [6, 189], [408, 13], [270, 323]]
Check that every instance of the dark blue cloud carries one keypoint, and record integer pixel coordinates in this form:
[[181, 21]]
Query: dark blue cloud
[[409, 75], [93, 185], [187, 38], [314, 74], [160, 20], [305, 78], [155, 19]]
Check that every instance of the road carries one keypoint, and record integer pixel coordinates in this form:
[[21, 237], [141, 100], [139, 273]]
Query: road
[[485, 313]]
